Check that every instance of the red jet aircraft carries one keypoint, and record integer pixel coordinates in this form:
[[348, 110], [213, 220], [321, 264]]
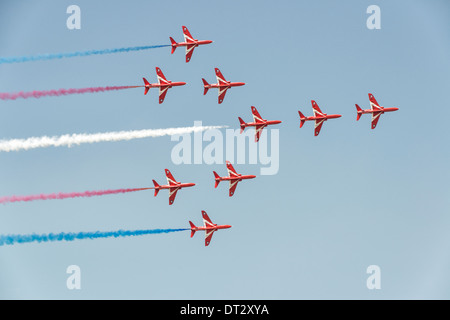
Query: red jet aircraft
[[208, 226], [319, 118], [172, 185], [222, 84], [190, 43], [259, 123], [233, 177], [163, 85], [376, 110]]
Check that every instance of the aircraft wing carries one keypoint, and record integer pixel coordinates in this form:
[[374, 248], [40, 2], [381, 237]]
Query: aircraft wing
[[316, 109], [233, 185], [222, 92], [170, 179], [161, 78], [172, 195], [259, 130], [373, 102], [187, 35], [189, 52], [220, 77], [375, 118], [208, 236], [231, 171], [206, 220], [318, 126], [162, 94], [256, 116]]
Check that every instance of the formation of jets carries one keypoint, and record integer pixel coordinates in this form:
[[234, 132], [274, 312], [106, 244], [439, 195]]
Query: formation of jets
[[222, 85], [320, 117], [258, 122], [173, 185]]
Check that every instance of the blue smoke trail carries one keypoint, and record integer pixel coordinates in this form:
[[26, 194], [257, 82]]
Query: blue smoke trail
[[50, 56], [71, 236]]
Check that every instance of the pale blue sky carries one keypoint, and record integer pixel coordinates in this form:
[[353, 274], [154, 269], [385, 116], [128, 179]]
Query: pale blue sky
[[342, 201]]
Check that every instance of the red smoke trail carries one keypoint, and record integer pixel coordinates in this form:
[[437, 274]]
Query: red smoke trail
[[60, 92], [61, 195]]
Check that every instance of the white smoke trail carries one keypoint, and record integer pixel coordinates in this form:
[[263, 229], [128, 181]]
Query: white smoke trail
[[69, 140]]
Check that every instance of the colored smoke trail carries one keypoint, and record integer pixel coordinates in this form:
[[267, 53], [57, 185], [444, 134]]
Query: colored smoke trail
[[71, 236], [61, 195], [60, 92], [51, 56], [69, 140]]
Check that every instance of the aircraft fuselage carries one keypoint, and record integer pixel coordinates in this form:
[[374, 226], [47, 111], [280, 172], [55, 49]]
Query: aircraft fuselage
[[225, 85], [196, 43], [265, 123], [324, 117], [382, 110], [163, 85], [178, 185], [216, 227], [239, 177]]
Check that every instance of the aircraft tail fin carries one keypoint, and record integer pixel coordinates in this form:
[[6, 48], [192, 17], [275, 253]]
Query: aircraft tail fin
[[302, 119], [243, 124], [192, 228], [174, 45], [156, 187], [206, 86], [147, 86], [217, 179], [359, 112]]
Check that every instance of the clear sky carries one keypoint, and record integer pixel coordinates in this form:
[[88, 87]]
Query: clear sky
[[350, 198]]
